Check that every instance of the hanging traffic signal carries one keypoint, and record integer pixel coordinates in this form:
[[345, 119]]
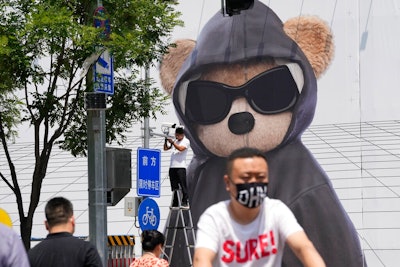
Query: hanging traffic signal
[[233, 7]]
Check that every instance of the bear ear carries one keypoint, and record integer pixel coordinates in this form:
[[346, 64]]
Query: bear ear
[[314, 37], [172, 62]]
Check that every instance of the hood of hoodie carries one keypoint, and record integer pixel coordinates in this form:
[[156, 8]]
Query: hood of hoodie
[[254, 33]]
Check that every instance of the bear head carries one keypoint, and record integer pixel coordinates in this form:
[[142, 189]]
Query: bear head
[[248, 80]]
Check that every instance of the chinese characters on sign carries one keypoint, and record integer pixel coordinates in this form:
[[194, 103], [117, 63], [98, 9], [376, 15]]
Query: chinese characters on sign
[[148, 172], [103, 70], [149, 184], [104, 74]]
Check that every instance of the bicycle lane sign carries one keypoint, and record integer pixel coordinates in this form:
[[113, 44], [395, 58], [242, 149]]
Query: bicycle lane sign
[[149, 214]]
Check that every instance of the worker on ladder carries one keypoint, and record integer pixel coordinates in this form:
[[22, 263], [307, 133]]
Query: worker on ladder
[[177, 169]]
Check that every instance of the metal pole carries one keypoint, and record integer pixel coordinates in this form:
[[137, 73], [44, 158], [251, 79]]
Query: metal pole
[[146, 123], [146, 141], [97, 182]]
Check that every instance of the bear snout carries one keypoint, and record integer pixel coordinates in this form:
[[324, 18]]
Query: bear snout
[[241, 123]]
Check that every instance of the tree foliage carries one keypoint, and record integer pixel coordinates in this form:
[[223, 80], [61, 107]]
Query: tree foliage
[[44, 46]]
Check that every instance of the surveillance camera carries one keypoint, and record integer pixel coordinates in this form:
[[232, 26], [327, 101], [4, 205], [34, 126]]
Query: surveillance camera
[[168, 125]]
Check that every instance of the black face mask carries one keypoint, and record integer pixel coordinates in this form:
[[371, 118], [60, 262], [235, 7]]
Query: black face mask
[[270, 92], [251, 195]]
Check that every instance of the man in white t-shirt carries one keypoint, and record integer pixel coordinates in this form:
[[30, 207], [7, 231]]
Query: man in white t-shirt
[[177, 168], [250, 229]]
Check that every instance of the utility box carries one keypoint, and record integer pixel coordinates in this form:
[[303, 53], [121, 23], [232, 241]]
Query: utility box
[[119, 174], [132, 206]]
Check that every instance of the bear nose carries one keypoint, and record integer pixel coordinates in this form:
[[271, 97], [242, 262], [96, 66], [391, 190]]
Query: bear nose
[[241, 123]]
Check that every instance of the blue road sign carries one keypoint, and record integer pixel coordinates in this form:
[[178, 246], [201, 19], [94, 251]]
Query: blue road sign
[[101, 20], [103, 70], [149, 215], [148, 172], [104, 74]]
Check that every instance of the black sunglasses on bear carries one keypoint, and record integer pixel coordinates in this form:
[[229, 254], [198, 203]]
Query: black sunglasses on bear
[[270, 92]]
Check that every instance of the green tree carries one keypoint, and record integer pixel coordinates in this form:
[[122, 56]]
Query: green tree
[[44, 46]]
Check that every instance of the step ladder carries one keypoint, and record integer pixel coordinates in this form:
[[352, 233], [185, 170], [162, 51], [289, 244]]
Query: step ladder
[[179, 234]]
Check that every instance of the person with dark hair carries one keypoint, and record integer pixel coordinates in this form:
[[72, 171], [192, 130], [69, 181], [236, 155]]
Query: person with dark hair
[[152, 243], [250, 229], [177, 168], [60, 248]]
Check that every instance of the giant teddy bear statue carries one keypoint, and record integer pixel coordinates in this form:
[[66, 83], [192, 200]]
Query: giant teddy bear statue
[[250, 80]]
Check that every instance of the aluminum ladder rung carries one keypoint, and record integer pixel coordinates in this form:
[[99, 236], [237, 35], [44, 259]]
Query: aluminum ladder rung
[[180, 223]]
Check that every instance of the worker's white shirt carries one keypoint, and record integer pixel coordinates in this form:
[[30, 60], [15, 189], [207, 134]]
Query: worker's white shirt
[[178, 158]]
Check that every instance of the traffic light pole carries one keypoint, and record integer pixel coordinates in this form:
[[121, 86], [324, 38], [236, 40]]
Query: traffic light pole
[[97, 173], [146, 123], [97, 181]]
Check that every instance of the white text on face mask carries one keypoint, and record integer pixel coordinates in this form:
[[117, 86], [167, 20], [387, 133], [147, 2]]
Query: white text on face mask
[[251, 195]]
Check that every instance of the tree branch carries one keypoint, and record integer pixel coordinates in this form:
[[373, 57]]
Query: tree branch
[[15, 188], [7, 182]]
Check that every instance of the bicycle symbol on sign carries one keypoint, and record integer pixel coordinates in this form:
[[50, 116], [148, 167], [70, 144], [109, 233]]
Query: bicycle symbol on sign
[[149, 217]]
